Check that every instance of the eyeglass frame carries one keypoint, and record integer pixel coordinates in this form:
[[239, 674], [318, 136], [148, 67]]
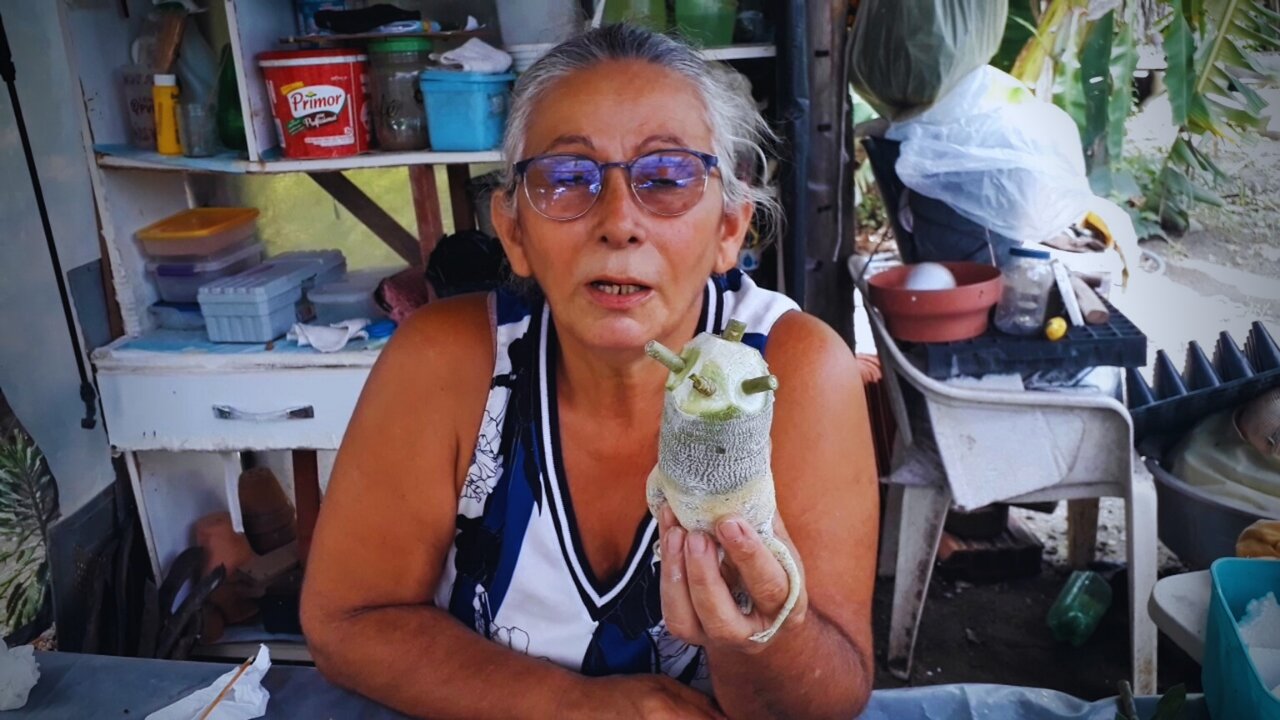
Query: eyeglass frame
[[709, 162]]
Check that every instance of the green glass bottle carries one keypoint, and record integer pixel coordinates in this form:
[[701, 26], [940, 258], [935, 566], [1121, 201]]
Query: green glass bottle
[[1081, 604], [230, 118]]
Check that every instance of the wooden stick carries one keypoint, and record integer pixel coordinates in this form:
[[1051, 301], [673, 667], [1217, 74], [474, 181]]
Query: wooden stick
[[1095, 313], [243, 666]]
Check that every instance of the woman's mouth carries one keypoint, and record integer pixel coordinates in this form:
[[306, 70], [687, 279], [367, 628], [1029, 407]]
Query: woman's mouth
[[618, 295], [617, 288]]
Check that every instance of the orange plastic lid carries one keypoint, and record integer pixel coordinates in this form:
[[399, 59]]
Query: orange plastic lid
[[198, 223]]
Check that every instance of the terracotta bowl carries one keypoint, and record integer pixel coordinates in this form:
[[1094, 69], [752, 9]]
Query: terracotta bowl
[[936, 316]]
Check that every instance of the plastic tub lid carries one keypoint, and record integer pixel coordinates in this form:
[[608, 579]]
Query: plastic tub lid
[[1027, 252], [380, 329], [400, 44], [292, 58], [355, 286], [438, 75], [211, 264], [197, 223]]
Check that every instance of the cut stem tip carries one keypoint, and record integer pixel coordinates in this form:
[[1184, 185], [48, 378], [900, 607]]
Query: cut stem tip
[[663, 354], [764, 383]]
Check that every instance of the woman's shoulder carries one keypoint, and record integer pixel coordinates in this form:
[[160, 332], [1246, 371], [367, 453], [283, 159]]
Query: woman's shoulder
[[447, 340], [808, 349]]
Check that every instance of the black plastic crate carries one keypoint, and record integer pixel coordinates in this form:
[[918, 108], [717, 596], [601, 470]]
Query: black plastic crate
[[1176, 401], [1119, 343]]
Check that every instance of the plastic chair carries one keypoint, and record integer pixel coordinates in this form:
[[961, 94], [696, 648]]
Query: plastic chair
[[983, 446]]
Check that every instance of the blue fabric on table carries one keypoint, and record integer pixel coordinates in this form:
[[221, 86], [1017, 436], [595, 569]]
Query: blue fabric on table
[[95, 686]]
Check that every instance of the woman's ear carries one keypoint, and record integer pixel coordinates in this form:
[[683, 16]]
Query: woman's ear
[[504, 223], [733, 230]]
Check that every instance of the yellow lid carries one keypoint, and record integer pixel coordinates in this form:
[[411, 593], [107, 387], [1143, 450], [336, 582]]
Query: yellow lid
[[198, 223]]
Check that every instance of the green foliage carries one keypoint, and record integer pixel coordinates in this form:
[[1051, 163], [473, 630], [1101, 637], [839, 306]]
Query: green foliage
[[1205, 44], [1209, 46], [28, 507]]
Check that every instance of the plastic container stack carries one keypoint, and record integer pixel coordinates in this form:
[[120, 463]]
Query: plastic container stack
[[193, 248], [261, 304]]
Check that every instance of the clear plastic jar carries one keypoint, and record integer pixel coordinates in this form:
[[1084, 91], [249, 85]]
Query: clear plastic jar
[[395, 98], [1028, 278]]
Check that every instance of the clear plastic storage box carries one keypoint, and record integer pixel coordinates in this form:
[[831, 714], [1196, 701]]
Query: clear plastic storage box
[[178, 281], [350, 297], [261, 304]]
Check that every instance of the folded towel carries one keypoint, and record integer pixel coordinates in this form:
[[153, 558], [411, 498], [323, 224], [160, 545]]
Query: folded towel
[[330, 338], [476, 55]]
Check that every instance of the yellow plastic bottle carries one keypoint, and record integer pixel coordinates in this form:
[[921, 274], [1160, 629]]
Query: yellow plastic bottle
[[164, 94]]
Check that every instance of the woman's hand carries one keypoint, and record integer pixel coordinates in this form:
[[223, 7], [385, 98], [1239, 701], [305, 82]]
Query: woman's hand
[[653, 697], [697, 598]]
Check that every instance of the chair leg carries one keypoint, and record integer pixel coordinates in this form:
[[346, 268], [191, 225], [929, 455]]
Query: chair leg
[[889, 531], [924, 511], [1141, 542], [1082, 532]]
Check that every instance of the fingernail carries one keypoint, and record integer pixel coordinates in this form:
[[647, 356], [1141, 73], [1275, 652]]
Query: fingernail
[[697, 543], [675, 541], [668, 517], [732, 530]]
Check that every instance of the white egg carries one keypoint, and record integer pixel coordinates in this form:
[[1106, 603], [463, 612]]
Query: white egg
[[929, 276]]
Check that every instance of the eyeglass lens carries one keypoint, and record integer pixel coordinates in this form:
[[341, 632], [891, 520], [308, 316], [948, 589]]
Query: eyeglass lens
[[667, 182]]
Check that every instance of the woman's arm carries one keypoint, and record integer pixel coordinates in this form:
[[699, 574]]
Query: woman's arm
[[820, 662], [387, 524]]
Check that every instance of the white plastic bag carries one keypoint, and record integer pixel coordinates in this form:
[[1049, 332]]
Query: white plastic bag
[[998, 155]]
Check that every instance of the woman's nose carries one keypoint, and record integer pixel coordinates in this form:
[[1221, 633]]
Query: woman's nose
[[617, 211]]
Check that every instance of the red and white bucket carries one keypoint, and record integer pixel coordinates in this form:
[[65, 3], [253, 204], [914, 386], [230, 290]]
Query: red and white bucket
[[318, 100]]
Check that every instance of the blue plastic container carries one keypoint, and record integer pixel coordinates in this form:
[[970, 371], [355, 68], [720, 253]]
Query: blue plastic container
[[1232, 687], [466, 111]]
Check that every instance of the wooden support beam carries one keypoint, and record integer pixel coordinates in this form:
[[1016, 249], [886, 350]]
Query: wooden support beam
[[306, 498], [426, 208], [464, 215], [368, 212]]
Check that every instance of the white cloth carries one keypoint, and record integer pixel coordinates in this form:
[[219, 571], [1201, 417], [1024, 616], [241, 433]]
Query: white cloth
[[476, 55], [328, 338], [247, 699], [18, 674]]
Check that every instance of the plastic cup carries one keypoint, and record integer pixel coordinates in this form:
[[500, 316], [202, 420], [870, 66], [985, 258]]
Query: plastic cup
[[198, 129]]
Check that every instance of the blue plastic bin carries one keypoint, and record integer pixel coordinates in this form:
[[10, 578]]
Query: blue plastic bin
[[466, 111], [1232, 687]]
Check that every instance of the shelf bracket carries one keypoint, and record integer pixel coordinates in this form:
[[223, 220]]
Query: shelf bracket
[[370, 213]]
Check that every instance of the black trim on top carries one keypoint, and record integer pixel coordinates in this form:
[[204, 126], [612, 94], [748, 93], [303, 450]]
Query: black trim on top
[[638, 547]]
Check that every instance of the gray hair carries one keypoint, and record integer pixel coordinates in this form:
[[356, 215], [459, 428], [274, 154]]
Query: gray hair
[[738, 132]]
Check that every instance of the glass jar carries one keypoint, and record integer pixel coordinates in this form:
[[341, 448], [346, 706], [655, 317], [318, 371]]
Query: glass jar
[[1028, 278], [395, 98]]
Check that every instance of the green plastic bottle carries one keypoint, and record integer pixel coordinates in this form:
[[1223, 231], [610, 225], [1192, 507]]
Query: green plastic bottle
[[1081, 604]]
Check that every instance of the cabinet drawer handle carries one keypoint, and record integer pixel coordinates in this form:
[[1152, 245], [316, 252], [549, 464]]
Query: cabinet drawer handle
[[226, 412]]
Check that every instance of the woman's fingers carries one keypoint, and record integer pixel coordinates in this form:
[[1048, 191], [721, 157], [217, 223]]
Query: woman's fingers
[[762, 575], [717, 611], [677, 607]]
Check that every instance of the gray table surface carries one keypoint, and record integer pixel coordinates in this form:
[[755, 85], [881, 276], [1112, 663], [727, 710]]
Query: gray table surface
[[94, 686]]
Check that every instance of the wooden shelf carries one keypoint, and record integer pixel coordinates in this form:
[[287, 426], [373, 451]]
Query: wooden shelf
[[130, 158], [365, 37], [190, 351], [740, 52]]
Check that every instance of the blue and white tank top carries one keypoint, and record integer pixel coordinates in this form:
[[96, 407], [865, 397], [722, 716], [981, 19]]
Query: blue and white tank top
[[517, 571]]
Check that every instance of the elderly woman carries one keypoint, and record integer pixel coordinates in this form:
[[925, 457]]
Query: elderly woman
[[485, 549]]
